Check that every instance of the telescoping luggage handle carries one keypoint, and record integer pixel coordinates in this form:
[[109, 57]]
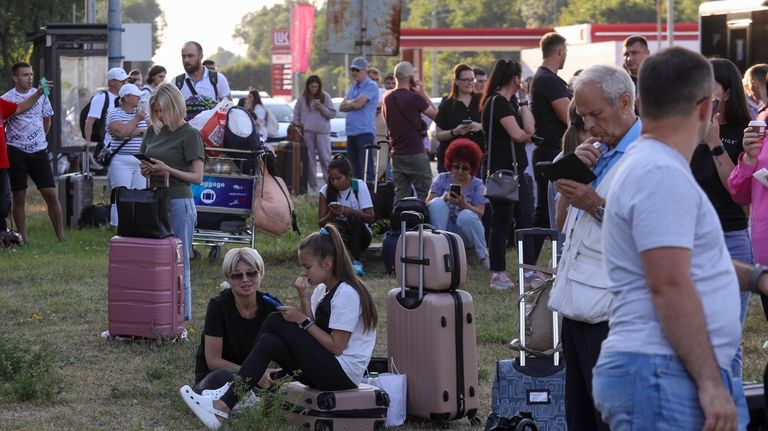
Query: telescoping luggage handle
[[522, 234], [85, 162], [368, 150], [404, 259]]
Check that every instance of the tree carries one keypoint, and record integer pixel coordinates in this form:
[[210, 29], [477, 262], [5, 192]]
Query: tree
[[249, 74], [619, 11], [224, 58]]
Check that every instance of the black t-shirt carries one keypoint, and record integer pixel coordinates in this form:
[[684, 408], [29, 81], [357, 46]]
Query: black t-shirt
[[453, 111], [223, 320], [732, 216], [501, 152], [546, 87]]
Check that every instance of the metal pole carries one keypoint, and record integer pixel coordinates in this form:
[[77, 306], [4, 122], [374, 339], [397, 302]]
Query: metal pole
[[670, 22], [90, 11], [658, 25], [114, 34], [434, 57]]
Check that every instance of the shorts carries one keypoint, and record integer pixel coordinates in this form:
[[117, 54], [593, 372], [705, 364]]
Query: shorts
[[36, 165]]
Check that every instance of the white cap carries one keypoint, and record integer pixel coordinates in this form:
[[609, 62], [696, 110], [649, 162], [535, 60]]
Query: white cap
[[131, 89], [117, 73]]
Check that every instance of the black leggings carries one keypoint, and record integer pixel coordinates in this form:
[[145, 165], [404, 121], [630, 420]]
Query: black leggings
[[297, 352], [356, 235]]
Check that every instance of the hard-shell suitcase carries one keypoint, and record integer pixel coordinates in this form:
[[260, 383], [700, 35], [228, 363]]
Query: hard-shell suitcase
[[76, 192], [431, 338], [443, 258], [755, 395], [315, 422], [292, 162], [145, 296], [364, 408], [532, 384], [382, 191]]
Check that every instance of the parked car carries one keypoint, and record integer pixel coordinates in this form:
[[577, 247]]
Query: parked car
[[284, 114], [338, 126], [239, 94]]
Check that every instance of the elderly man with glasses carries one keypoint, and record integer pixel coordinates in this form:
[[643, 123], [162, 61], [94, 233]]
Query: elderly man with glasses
[[360, 104]]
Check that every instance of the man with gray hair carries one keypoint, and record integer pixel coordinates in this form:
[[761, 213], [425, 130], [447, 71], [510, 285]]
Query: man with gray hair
[[605, 99], [666, 363], [402, 109]]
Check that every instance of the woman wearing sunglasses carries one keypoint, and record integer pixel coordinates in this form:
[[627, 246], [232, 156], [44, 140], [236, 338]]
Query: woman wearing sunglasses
[[456, 201], [233, 319]]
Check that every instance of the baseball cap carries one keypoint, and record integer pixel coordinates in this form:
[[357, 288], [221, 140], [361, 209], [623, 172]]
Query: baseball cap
[[131, 89], [117, 73], [404, 70], [359, 63]]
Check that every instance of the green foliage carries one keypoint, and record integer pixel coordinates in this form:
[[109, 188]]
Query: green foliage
[[224, 58], [27, 374], [248, 74], [625, 11]]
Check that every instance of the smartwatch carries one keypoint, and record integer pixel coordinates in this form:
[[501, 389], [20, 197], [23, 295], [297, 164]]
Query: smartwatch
[[717, 151], [306, 323], [599, 213]]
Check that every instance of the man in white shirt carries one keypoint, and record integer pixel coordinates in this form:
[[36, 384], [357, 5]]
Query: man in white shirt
[[116, 78], [199, 80], [28, 151]]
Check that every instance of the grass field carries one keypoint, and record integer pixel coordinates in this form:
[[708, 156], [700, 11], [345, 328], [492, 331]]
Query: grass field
[[53, 302]]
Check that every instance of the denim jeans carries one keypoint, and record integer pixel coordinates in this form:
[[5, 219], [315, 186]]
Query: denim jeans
[[183, 220], [467, 224], [740, 248], [639, 391], [356, 154]]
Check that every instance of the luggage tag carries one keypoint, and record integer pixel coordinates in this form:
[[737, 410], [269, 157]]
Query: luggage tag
[[762, 176]]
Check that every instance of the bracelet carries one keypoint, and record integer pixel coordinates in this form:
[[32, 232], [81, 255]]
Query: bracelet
[[523, 103], [452, 133], [758, 272]]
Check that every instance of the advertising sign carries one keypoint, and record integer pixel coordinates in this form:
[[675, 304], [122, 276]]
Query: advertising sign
[[224, 194]]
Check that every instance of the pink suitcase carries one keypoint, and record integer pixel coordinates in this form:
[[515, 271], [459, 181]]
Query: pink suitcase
[[444, 258], [364, 408], [145, 287], [431, 339]]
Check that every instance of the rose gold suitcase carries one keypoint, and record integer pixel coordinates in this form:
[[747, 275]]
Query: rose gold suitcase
[[145, 287], [444, 259], [431, 339], [364, 408]]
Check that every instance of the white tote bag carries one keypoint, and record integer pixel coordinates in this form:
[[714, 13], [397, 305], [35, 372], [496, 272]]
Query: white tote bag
[[394, 384]]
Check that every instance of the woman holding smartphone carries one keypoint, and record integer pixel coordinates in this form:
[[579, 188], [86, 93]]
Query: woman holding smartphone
[[176, 154], [459, 114], [314, 110], [125, 130], [456, 201]]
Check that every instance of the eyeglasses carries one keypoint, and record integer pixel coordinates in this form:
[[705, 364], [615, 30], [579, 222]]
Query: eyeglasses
[[354, 69], [243, 274], [467, 80], [463, 168]]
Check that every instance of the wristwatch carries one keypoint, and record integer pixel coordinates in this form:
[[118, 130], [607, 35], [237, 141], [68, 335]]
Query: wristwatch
[[758, 272], [717, 151], [599, 213], [306, 323]]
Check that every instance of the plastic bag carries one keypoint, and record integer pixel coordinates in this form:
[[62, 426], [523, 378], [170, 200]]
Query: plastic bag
[[395, 385]]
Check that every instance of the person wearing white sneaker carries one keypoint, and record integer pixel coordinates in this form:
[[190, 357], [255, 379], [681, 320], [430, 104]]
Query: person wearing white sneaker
[[326, 341], [233, 319]]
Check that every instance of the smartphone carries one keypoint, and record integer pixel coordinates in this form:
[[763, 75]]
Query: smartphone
[[456, 190], [334, 203], [715, 105], [272, 301], [466, 122], [46, 89], [538, 140], [142, 157]]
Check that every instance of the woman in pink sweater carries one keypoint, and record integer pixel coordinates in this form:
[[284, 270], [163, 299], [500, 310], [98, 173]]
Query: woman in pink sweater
[[745, 190]]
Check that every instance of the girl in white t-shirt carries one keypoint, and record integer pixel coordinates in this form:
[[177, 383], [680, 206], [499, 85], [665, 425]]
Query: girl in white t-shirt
[[326, 341], [346, 203]]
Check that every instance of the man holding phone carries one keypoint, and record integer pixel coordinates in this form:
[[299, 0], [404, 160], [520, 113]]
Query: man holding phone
[[605, 99]]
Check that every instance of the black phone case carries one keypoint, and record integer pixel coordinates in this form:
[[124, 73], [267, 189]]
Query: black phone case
[[569, 167]]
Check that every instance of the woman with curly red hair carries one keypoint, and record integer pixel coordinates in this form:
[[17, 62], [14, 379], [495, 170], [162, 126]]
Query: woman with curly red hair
[[461, 212]]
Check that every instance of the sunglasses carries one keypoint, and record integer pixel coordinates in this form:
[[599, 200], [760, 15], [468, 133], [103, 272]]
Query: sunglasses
[[354, 70], [243, 274], [463, 168]]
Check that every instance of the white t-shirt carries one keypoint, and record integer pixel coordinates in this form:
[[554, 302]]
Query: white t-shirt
[[655, 202], [132, 147], [97, 103], [346, 316], [25, 131], [348, 199], [204, 87]]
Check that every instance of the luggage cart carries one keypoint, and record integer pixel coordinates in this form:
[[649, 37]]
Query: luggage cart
[[224, 200]]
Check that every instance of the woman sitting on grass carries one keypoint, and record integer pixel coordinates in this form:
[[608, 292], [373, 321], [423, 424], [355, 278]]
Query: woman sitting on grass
[[233, 319], [461, 212], [346, 203], [326, 342]]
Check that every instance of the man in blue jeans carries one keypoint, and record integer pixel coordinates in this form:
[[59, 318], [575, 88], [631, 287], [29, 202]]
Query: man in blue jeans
[[674, 324], [360, 105]]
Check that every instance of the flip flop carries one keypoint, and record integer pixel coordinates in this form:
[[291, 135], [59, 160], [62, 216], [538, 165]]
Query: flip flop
[[216, 393], [202, 407]]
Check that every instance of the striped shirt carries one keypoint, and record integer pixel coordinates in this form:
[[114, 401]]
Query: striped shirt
[[132, 147]]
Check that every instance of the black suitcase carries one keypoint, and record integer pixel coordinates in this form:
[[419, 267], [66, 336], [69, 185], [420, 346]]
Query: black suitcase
[[292, 162], [530, 384], [76, 192], [382, 191], [755, 394]]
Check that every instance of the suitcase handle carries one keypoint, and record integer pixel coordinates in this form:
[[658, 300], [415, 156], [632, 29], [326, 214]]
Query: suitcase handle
[[167, 176], [179, 294], [368, 150], [85, 162], [521, 234], [403, 257]]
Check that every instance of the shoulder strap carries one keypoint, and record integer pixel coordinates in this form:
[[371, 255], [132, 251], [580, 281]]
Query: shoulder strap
[[490, 137], [355, 187], [294, 222], [214, 78], [180, 81], [106, 105]]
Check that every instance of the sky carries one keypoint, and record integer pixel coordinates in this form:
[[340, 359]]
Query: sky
[[184, 23]]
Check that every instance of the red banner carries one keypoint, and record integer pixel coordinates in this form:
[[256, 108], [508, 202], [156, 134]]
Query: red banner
[[302, 26]]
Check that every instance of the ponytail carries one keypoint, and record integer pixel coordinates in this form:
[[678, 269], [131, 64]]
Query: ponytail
[[329, 243]]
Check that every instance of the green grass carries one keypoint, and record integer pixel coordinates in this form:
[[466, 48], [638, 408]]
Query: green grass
[[53, 301]]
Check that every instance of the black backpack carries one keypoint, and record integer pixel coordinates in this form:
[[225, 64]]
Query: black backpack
[[212, 76], [99, 126], [408, 204], [245, 162]]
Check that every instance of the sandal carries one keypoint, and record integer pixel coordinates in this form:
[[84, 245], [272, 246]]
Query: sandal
[[202, 407], [216, 393]]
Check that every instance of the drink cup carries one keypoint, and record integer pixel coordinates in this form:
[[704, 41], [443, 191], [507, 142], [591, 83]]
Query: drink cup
[[758, 127]]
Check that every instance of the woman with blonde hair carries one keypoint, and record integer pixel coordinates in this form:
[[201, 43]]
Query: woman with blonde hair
[[175, 150]]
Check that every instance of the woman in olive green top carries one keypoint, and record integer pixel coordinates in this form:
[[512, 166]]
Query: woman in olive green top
[[175, 148]]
